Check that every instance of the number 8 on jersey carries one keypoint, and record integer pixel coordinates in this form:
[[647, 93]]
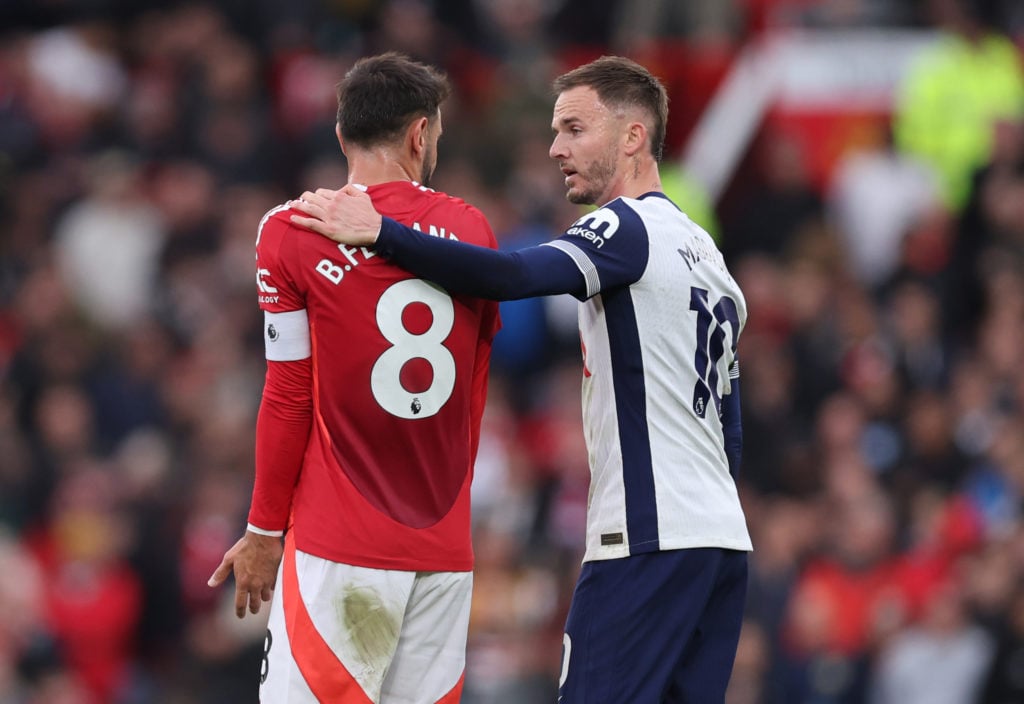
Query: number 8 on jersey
[[385, 378]]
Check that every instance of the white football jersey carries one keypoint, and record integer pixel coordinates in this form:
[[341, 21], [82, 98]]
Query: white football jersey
[[659, 329]]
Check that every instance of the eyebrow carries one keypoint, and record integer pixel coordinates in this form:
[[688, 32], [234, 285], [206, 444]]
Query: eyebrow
[[564, 121]]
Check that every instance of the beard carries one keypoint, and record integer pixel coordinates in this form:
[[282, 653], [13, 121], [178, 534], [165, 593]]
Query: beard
[[429, 163], [596, 176]]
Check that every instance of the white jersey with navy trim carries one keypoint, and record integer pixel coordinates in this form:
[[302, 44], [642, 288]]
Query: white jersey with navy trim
[[659, 328]]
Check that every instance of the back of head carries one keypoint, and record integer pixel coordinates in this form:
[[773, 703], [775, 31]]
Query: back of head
[[381, 95], [621, 83]]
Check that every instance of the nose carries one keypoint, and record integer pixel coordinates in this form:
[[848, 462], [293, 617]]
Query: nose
[[557, 150]]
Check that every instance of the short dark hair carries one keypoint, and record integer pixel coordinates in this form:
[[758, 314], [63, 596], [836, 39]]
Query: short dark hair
[[380, 96], [619, 83]]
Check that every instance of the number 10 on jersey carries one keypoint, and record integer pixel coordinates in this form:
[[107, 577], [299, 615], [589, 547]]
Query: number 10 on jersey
[[711, 345]]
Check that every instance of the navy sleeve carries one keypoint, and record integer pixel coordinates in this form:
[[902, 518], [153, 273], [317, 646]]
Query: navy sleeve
[[479, 271], [609, 245], [732, 428]]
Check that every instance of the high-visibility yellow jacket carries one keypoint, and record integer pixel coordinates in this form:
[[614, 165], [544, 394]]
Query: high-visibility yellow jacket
[[949, 102]]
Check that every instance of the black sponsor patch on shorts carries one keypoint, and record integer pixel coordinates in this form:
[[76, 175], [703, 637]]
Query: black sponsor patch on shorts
[[611, 539]]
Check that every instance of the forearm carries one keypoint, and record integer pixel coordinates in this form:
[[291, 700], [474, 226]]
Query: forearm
[[282, 433], [479, 271], [732, 428]]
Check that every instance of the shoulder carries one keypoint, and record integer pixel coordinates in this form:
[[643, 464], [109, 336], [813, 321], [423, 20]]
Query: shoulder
[[609, 245], [281, 246], [468, 223], [619, 218], [273, 227], [604, 219], [459, 206]]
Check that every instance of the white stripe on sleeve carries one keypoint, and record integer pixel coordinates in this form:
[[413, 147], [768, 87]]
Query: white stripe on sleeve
[[583, 263]]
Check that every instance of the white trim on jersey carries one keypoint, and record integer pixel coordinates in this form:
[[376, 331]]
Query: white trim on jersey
[[583, 262], [286, 336], [269, 214], [260, 531]]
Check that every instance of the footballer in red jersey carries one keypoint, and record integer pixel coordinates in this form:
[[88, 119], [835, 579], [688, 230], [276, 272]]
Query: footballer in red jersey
[[368, 428], [395, 388]]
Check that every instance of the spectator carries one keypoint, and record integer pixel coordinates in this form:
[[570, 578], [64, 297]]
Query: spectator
[[108, 245], [973, 67], [876, 194], [945, 634]]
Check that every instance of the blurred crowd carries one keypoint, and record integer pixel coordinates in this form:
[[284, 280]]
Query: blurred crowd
[[883, 361]]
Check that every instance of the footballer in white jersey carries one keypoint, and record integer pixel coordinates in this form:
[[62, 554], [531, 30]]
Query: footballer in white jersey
[[659, 326]]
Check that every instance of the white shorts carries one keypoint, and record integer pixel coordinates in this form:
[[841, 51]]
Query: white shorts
[[342, 634]]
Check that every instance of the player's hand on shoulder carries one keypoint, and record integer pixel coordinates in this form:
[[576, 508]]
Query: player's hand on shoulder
[[254, 559], [346, 216]]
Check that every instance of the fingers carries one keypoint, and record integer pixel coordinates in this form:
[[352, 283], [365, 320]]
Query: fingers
[[313, 224], [255, 570], [251, 594], [253, 597], [318, 204], [304, 206], [324, 213], [321, 196], [313, 203], [241, 599], [315, 209]]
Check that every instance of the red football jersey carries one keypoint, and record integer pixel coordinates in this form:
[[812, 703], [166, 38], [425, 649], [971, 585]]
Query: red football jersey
[[393, 395]]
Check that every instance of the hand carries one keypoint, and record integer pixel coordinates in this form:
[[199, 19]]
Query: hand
[[254, 559], [346, 216]]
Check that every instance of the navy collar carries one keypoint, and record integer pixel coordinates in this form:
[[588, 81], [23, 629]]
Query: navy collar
[[659, 194]]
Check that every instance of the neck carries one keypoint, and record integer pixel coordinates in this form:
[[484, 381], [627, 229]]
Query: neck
[[369, 167], [640, 175]]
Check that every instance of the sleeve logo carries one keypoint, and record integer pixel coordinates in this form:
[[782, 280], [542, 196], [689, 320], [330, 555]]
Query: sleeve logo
[[597, 226], [272, 333], [267, 292]]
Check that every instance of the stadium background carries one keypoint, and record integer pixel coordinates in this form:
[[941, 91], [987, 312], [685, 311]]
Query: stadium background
[[140, 142]]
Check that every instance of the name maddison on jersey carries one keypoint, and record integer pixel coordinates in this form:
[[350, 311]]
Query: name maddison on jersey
[[597, 226], [698, 250], [335, 272]]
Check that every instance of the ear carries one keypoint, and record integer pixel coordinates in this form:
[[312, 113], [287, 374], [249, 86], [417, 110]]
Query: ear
[[636, 137], [341, 142], [416, 137]]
